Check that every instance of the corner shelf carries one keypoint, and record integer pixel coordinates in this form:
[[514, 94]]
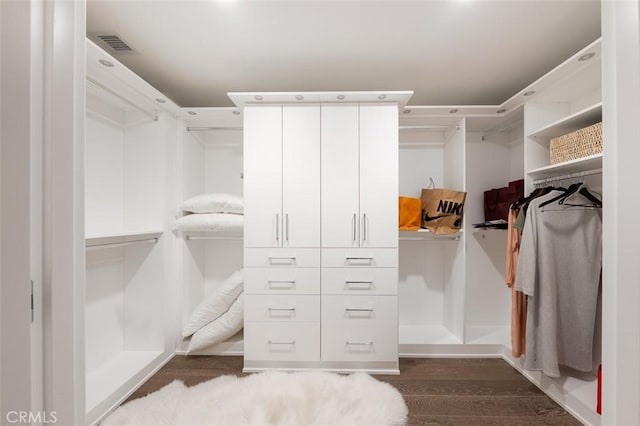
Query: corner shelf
[[578, 120], [591, 162], [122, 238], [425, 234]]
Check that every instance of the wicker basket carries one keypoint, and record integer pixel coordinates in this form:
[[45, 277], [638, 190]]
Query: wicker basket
[[578, 144]]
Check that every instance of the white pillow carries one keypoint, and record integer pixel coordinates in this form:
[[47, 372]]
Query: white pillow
[[215, 305], [211, 222], [221, 329], [213, 203]]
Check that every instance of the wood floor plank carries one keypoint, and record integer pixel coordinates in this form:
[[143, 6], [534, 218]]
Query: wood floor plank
[[453, 387], [415, 420], [438, 391]]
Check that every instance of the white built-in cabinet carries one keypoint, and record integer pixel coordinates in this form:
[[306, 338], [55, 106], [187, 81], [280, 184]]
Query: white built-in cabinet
[[321, 282], [359, 177], [282, 176]]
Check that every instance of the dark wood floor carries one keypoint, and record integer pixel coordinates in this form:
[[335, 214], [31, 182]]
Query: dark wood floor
[[438, 391]]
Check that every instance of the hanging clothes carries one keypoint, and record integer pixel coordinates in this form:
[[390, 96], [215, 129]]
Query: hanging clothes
[[517, 213], [558, 269], [518, 299]]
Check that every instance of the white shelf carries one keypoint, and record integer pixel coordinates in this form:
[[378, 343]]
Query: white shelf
[[425, 234], [234, 345], [122, 238], [108, 378], [204, 235], [579, 120], [488, 335], [591, 162], [426, 335]]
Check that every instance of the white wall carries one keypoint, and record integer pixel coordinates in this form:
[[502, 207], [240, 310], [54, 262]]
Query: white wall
[[489, 165]]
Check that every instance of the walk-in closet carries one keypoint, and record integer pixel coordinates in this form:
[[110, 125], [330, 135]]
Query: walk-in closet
[[268, 230]]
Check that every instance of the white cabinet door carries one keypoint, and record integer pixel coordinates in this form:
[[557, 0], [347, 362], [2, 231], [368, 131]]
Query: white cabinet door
[[301, 176], [339, 171], [263, 176], [378, 176]]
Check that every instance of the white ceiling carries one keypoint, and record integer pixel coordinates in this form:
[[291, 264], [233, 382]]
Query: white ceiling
[[449, 52]]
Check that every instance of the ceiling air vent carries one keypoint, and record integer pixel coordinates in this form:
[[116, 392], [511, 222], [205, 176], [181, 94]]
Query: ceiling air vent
[[112, 42]]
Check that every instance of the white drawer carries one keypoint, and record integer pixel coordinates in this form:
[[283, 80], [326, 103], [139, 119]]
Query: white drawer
[[271, 341], [360, 281], [360, 257], [304, 257], [359, 328], [282, 280], [283, 308]]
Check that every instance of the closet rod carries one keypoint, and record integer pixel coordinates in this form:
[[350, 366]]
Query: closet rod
[[152, 116], [208, 129], [123, 244], [543, 181]]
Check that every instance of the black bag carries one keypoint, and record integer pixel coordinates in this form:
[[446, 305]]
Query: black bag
[[498, 200]]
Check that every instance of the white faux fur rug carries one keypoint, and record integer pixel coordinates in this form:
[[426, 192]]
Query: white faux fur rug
[[269, 398]]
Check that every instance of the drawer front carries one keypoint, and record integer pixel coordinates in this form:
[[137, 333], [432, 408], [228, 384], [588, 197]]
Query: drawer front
[[353, 258], [360, 281], [282, 257], [281, 341], [282, 280], [282, 308], [359, 328]]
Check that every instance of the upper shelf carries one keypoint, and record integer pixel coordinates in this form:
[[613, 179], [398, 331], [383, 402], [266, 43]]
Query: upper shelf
[[578, 120], [591, 162], [123, 238]]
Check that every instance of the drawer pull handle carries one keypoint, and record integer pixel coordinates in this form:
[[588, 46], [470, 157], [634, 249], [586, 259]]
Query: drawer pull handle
[[282, 309], [358, 309], [289, 283], [359, 343], [276, 342], [289, 259], [359, 259], [368, 284]]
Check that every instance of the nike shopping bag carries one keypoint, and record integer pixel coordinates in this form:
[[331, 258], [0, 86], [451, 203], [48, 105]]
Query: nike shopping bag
[[442, 210]]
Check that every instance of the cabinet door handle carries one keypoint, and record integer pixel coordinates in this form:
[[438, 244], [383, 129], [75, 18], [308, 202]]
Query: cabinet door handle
[[277, 227], [286, 229], [364, 227], [354, 227]]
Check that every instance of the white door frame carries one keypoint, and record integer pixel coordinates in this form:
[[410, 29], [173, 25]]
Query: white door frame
[[621, 285], [63, 155]]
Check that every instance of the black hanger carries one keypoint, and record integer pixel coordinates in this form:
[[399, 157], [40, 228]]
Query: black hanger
[[595, 201], [538, 192], [573, 188]]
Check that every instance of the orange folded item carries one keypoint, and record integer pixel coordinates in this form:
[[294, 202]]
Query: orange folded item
[[410, 213]]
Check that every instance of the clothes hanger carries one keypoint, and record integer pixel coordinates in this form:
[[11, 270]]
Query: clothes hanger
[[573, 188]]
